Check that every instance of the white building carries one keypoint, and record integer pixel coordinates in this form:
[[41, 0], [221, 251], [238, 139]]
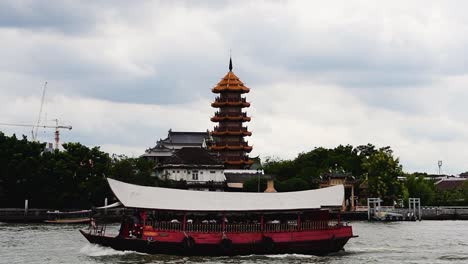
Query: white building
[[196, 166]]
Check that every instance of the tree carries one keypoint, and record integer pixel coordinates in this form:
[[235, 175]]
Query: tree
[[293, 184], [251, 185], [418, 187], [72, 178], [382, 171]]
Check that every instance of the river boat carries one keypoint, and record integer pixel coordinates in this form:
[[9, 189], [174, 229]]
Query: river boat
[[183, 222], [68, 217]]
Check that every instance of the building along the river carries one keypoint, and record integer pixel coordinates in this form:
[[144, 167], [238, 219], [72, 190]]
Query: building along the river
[[229, 134], [200, 158], [194, 166], [176, 140]]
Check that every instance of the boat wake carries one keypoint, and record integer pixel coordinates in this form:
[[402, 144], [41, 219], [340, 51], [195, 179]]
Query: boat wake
[[282, 256], [94, 250], [373, 250]]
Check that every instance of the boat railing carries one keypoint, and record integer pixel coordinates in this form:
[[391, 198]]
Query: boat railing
[[280, 227], [203, 228], [242, 228], [317, 225], [168, 226], [247, 228]]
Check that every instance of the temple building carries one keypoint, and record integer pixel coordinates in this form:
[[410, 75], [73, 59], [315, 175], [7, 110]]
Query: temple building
[[347, 180], [228, 135], [194, 166], [175, 140]]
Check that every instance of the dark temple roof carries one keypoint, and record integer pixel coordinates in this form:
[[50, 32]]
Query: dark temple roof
[[177, 140], [195, 138], [193, 156]]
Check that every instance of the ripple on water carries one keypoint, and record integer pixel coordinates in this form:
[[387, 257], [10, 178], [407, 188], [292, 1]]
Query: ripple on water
[[421, 242], [453, 257]]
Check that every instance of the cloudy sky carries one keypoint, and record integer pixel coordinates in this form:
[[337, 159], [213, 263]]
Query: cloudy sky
[[321, 73]]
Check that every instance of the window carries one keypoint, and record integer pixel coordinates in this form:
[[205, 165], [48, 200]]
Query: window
[[195, 175], [212, 172], [201, 172], [173, 171], [177, 171]]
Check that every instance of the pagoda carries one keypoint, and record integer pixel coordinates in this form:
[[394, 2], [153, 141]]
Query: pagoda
[[229, 134]]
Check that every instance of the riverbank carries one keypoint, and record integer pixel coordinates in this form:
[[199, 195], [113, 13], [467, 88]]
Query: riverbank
[[428, 213], [20, 215]]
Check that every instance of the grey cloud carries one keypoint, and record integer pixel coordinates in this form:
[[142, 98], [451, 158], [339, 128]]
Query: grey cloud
[[167, 53], [67, 17]]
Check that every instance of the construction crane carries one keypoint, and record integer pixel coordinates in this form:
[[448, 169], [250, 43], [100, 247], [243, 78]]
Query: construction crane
[[34, 131], [57, 127]]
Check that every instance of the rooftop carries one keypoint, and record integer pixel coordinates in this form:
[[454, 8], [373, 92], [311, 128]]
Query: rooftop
[[193, 156], [179, 139], [450, 184], [232, 83]]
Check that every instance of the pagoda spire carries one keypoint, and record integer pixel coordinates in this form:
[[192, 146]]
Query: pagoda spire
[[230, 63]]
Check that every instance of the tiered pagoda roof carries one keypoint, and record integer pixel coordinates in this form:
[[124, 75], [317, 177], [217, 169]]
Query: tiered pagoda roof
[[230, 83], [229, 135]]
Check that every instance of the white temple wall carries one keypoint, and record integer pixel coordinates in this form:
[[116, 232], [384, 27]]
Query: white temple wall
[[202, 175]]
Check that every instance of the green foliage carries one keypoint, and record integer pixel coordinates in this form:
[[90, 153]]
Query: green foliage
[[420, 188], [251, 185], [292, 184], [465, 192], [376, 165], [132, 170], [167, 183], [382, 171], [73, 178]]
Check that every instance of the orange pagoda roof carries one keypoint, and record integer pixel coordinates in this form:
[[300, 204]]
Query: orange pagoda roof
[[230, 83]]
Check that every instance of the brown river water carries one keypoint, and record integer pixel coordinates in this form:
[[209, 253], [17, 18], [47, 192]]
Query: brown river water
[[397, 242]]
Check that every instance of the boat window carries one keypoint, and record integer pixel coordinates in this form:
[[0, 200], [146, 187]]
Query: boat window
[[195, 175], [212, 171]]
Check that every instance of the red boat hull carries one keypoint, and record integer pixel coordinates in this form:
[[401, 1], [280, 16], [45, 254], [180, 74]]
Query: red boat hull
[[316, 242]]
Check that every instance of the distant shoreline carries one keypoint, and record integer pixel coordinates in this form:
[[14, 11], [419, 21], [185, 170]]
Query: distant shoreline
[[17, 215]]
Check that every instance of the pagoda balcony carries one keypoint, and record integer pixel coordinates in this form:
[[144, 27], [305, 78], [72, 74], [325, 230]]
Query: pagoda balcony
[[219, 146], [234, 87], [229, 143], [230, 117], [231, 131], [228, 148], [220, 102], [238, 160]]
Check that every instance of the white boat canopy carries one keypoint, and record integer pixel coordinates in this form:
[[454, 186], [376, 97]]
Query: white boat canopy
[[136, 196]]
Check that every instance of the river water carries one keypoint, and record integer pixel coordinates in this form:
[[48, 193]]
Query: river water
[[398, 242]]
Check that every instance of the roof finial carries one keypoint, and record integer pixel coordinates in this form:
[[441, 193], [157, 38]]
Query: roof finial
[[230, 61]]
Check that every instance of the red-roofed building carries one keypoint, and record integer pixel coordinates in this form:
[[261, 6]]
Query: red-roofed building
[[449, 184]]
